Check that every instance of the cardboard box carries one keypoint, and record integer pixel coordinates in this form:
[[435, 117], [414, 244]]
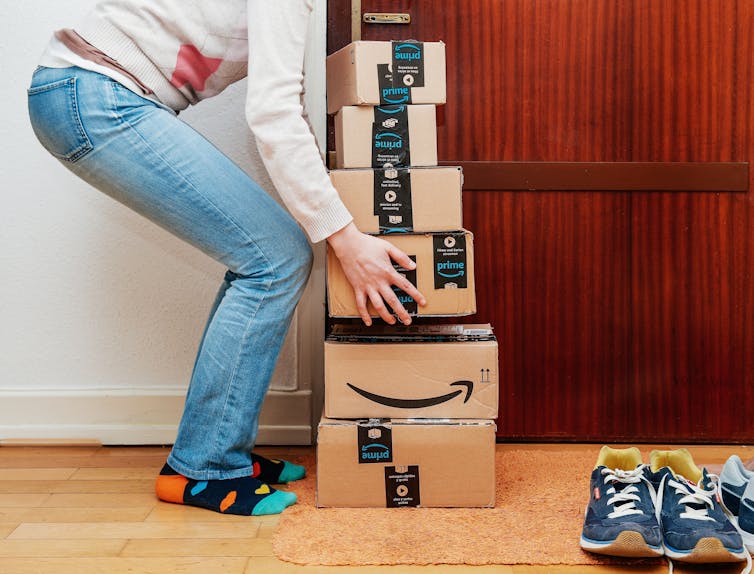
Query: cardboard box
[[399, 463], [399, 200], [385, 136], [444, 274], [362, 73], [415, 371]]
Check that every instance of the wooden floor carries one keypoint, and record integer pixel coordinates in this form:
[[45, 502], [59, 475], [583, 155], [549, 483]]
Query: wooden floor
[[91, 509]]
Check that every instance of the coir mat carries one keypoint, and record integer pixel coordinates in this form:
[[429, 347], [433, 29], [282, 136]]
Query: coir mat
[[541, 496]]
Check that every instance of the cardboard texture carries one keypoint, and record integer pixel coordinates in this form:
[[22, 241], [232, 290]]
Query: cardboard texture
[[384, 136], [404, 463], [402, 200], [425, 371], [361, 73], [444, 274]]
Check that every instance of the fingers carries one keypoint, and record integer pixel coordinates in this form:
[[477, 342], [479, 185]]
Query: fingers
[[409, 288], [378, 299], [385, 303], [399, 280], [400, 257], [361, 305]]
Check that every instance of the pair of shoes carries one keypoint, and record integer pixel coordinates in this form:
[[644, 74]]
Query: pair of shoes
[[670, 507], [737, 487]]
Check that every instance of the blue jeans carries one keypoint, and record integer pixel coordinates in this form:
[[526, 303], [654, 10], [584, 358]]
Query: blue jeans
[[140, 154]]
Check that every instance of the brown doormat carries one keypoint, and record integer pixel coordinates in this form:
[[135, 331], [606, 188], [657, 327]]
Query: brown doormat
[[541, 497]]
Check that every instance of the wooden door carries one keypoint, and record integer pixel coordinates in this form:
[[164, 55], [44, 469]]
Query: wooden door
[[621, 290]]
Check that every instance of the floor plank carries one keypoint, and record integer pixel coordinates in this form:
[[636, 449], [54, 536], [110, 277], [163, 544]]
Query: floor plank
[[6, 528], [120, 565], [132, 451], [61, 548], [251, 547], [36, 474], [164, 512], [117, 473], [132, 530], [77, 486], [22, 500], [57, 515], [40, 461], [109, 500]]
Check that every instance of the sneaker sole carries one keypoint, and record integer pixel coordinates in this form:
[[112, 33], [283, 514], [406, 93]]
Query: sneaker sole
[[707, 550], [628, 544]]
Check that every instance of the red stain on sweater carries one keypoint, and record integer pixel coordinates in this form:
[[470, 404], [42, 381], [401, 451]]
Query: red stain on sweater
[[193, 68]]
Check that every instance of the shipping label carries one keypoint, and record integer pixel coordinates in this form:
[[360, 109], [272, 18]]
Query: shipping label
[[450, 265], [389, 93], [408, 64], [375, 443], [390, 142], [402, 486], [392, 200]]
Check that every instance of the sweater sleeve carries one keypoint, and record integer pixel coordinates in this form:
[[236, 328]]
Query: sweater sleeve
[[275, 114]]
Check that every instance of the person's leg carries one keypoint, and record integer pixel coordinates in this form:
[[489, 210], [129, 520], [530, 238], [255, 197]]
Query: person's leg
[[271, 471], [141, 155]]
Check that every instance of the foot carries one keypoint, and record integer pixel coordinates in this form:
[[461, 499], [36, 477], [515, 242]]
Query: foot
[[274, 471], [247, 496]]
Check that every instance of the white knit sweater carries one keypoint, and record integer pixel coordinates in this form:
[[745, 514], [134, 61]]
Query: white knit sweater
[[189, 50]]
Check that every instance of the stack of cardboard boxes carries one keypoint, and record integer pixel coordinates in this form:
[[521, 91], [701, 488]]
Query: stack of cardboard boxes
[[409, 411]]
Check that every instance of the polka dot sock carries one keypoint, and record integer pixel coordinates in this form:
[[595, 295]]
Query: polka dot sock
[[274, 471], [246, 495]]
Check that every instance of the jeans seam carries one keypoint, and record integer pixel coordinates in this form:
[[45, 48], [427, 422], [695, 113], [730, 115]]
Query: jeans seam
[[232, 380], [87, 147]]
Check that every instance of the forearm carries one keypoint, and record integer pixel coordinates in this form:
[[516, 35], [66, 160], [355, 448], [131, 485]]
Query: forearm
[[275, 115]]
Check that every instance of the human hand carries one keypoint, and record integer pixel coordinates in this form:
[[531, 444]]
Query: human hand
[[367, 263]]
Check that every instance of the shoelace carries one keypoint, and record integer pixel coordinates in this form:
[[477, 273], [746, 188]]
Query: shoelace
[[695, 495], [624, 500], [700, 496]]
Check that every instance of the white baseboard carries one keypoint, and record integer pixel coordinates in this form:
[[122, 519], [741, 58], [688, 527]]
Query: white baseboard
[[141, 416]]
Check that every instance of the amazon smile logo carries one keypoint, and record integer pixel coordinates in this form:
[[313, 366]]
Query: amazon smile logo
[[417, 403]]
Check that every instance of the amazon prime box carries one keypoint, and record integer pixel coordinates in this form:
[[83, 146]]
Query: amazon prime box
[[406, 462], [400, 200], [415, 371], [374, 73], [444, 274], [385, 136]]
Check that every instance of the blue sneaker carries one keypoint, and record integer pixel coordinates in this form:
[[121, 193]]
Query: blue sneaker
[[620, 517], [694, 526], [738, 497]]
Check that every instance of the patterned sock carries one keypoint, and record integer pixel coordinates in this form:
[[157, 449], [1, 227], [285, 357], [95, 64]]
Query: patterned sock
[[274, 471], [246, 495]]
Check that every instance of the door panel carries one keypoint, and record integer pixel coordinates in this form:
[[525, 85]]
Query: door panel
[[621, 315]]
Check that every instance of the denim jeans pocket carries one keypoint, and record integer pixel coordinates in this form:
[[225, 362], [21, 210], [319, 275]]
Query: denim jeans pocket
[[55, 118]]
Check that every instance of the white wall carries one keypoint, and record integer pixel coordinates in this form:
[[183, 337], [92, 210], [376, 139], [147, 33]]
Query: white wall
[[100, 310]]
